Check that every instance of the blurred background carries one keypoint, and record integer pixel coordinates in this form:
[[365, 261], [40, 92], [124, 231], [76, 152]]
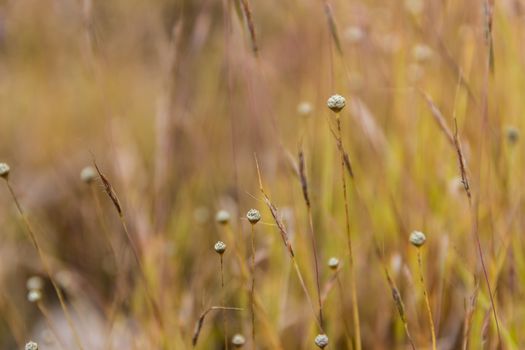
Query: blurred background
[[173, 99]]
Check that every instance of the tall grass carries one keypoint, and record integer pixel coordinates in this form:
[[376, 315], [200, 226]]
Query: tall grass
[[174, 98]]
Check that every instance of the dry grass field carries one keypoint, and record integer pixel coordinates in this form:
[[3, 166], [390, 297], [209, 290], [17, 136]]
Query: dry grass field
[[136, 134]]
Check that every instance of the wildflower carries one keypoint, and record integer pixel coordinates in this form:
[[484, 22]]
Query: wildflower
[[354, 34], [336, 103], [34, 296], [417, 238], [220, 247], [253, 216], [31, 346], [222, 217], [4, 170], [422, 53], [321, 340], [88, 174], [333, 263], [35, 283], [304, 108], [238, 340]]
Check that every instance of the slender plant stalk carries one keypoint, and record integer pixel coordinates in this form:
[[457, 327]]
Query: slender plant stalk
[[355, 310], [154, 307], [304, 186], [341, 293], [36, 244], [252, 291], [469, 313], [202, 317], [225, 324], [427, 300], [112, 313], [396, 295], [142, 272], [316, 264], [305, 290], [287, 244], [275, 341]]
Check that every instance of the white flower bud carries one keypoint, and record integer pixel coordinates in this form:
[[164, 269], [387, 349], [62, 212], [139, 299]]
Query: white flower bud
[[31, 346], [238, 340], [333, 263], [417, 238], [321, 340], [222, 217], [336, 103], [88, 174], [4, 170], [220, 247], [253, 216]]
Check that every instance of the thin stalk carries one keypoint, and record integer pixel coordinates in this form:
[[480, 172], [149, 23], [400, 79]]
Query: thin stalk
[[275, 341], [252, 291], [396, 295], [47, 269], [303, 285], [342, 301], [226, 343], [149, 296], [427, 300], [102, 223], [304, 186], [287, 244], [111, 314], [202, 317], [353, 292], [316, 263]]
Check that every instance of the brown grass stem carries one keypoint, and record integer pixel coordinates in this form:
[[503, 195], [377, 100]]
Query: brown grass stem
[[202, 317], [223, 292], [252, 290], [46, 266], [304, 187], [427, 300], [287, 244], [473, 204], [353, 291], [108, 188], [396, 295]]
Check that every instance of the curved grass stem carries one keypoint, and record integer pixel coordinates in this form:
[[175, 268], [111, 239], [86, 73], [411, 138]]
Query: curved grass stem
[[427, 300], [46, 266]]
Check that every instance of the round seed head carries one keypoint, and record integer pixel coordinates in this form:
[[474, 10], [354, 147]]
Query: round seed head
[[35, 283], [304, 108], [253, 216], [4, 170], [222, 217], [238, 340], [321, 340], [31, 346], [34, 295], [88, 174], [220, 247], [336, 103], [513, 135], [422, 53], [354, 34], [333, 263], [417, 238]]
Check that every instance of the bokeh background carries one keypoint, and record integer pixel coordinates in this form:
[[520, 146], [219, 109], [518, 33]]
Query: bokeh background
[[171, 101]]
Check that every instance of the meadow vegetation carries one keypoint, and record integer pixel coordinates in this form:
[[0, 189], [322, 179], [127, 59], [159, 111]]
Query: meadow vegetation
[[338, 174]]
